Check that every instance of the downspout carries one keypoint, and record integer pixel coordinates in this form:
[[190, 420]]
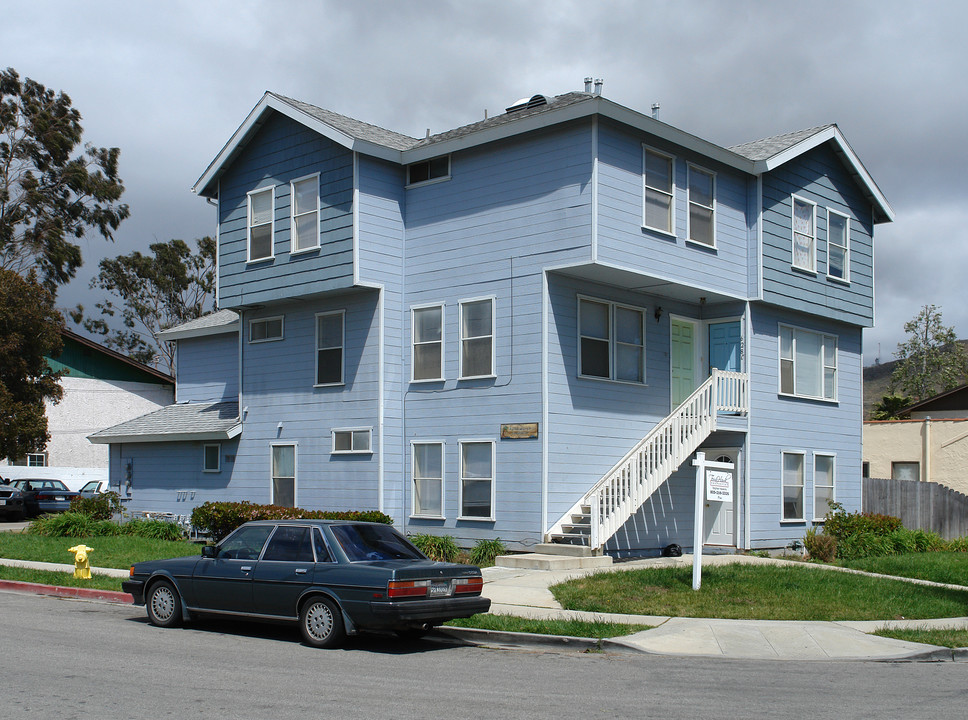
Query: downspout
[[545, 429], [926, 450], [747, 515]]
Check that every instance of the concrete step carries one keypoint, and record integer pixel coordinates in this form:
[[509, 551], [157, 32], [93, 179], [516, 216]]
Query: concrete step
[[540, 561], [572, 550]]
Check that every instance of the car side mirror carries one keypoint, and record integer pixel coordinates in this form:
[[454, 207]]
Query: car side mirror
[[209, 551]]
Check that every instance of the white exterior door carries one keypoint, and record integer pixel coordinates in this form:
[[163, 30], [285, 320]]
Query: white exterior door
[[720, 517]]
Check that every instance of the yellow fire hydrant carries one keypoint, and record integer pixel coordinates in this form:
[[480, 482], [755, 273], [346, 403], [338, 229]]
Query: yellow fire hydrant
[[82, 565]]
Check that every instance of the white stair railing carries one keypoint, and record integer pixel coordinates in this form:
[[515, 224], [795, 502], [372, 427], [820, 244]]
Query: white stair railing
[[632, 480]]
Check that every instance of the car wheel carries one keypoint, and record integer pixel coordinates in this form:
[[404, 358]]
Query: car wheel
[[321, 623], [163, 605]]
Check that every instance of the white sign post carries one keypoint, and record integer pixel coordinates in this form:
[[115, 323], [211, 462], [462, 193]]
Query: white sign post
[[716, 479]]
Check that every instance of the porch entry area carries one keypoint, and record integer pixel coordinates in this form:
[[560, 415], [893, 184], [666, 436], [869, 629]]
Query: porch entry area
[[693, 353]]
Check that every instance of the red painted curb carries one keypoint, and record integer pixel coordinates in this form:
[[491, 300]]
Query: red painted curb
[[75, 592]]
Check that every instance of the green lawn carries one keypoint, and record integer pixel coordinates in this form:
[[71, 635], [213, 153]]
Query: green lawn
[[572, 628], [758, 592], [929, 636], [950, 568], [62, 579], [112, 551]]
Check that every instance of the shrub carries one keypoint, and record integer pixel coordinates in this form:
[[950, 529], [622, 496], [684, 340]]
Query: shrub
[[221, 518], [484, 552], [436, 547], [820, 546], [100, 507], [153, 529], [66, 524], [841, 525]]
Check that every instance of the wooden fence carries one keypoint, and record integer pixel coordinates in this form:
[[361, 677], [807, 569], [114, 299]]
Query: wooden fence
[[925, 505]]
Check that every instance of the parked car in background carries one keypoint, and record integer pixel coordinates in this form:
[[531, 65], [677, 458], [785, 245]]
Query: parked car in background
[[94, 487], [11, 503], [44, 495], [333, 577]]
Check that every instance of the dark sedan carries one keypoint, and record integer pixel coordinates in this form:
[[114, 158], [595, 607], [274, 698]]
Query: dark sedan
[[11, 503], [44, 496], [332, 577]]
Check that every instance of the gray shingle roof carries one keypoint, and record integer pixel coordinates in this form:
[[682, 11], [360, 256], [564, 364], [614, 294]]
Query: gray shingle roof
[[352, 127], [222, 320], [768, 147], [188, 421]]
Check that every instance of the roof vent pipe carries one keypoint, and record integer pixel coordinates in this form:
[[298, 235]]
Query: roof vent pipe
[[588, 84], [598, 86], [655, 111]]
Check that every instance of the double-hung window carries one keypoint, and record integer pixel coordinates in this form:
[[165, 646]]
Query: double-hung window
[[808, 363], [211, 455], [260, 224], [477, 479], [477, 338], [428, 479], [428, 343], [329, 348], [702, 206], [284, 475], [823, 484], [792, 486], [611, 341], [804, 234], [659, 179], [838, 250], [304, 194]]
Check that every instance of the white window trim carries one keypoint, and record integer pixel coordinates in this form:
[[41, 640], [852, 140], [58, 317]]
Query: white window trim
[[295, 471], [817, 516], [205, 448], [612, 341], [431, 181], [342, 348], [793, 233], [846, 278], [352, 431], [282, 328], [671, 232], [690, 168], [413, 480], [460, 479], [292, 215], [44, 459], [272, 224], [779, 364], [493, 336], [803, 457], [413, 340]]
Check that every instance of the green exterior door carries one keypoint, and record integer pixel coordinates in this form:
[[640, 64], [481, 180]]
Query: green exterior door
[[682, 355]]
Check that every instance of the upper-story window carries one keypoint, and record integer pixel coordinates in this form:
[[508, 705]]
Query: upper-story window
[[611, 341], [659, 179], [352, 440], [804, 234], [260, 224], [838, 242], [265, 329], [329, 348], [702, 206], [305, 213], [808, 363], [437, 168], [477, 338], [428, 343]]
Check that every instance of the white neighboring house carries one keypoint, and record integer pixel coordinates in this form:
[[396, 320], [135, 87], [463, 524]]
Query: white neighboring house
[[101, 388]]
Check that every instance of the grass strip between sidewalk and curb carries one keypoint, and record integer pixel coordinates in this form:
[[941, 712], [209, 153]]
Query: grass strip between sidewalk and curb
[[572, 628], [943, 637]]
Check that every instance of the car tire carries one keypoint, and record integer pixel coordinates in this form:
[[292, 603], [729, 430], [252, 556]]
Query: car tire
[[321, 623], [163, 605]]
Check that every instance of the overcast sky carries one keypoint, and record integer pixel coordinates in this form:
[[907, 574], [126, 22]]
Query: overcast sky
[[169, 82]]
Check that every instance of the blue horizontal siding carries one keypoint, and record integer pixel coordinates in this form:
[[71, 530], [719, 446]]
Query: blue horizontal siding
[[208, 368]]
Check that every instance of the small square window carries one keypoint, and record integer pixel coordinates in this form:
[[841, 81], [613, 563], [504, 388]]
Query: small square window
[[265, 329], [352, 441], [212, 458]]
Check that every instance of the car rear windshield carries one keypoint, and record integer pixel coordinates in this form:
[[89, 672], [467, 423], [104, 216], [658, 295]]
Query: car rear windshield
[[374, 542]]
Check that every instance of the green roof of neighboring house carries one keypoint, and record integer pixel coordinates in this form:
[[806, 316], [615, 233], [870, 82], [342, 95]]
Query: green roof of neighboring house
[[83, 358]]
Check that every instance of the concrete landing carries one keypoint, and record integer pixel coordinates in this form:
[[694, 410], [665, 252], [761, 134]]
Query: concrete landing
[[542, 561]]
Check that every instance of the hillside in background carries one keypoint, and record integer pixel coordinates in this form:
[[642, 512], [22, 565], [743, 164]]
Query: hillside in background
[[877, 380]]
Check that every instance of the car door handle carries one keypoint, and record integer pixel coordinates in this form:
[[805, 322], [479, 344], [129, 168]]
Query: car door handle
[[246, 568], [300, 571]]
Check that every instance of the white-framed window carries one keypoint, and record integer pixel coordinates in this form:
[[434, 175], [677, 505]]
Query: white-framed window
[[31, 460], [838, 245], [905, 470], [427, 357], [824, 483], [428, 479], [808, 363], [211, 457], [476, 486], [702, 206], [792, 486], [329, 348], [352, 440], [437, 168], [261, 224], [283, 470], [266, 329], [658, 174], [804, 234], [304, 213], [477, 338], [611, 340]]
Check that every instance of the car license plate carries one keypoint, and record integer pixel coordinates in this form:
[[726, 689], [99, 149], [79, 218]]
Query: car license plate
[[3, 501], [59, 498], [439, 589]]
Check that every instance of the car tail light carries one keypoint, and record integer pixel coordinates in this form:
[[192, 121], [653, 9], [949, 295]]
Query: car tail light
[[407, 588], [469, 585], [131, 571]]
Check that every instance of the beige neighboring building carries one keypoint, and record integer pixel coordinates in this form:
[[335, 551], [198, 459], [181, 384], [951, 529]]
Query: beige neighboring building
[[931, 445]]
